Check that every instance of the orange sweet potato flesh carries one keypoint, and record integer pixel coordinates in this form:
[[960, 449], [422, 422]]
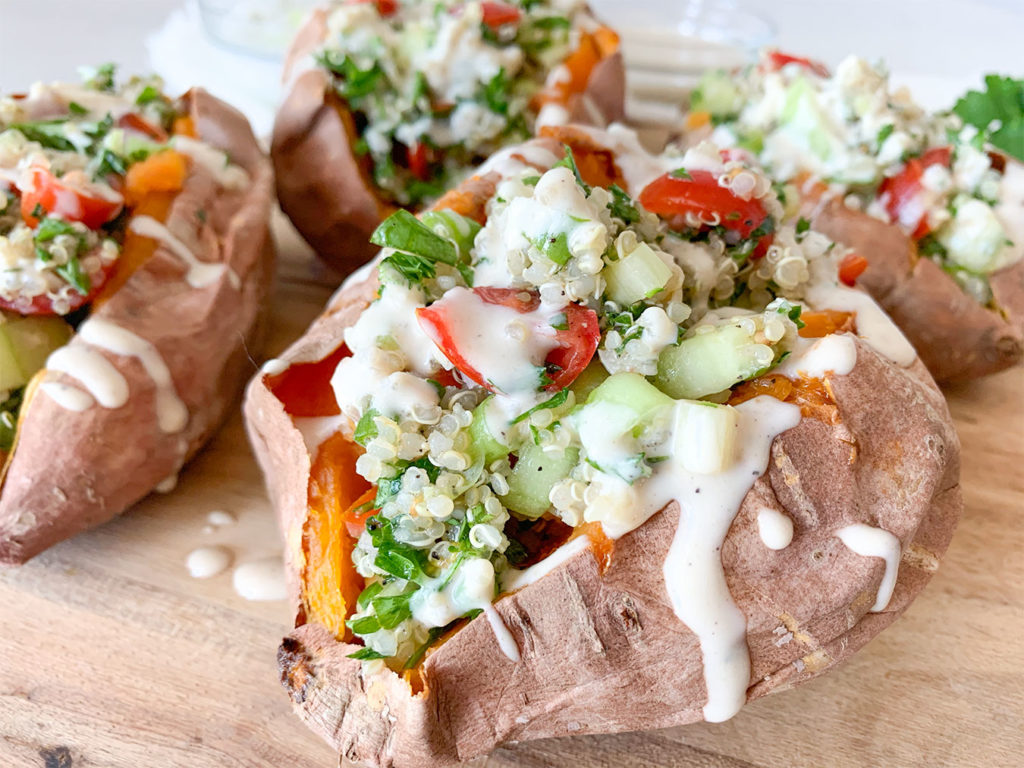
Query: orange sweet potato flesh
[[330, 583], [150, 189], [595, 162], [824, 322]]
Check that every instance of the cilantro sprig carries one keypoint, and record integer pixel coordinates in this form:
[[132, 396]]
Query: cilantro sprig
[[997, 112]]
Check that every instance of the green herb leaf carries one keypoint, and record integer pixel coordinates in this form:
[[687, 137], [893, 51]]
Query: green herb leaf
[[569, 161], [552, 402], [148, 95], [351, 82], [402, 561], [367, 595], [496, 93], [555, 247], [1002, 101], [364, 625], [404, 232], [802, 225], [432, 635], [884, 133], [367, 654], [73, 274], [681, 173], [48, 133], [366, 429], [560, 322], [621, 205], [392, 610], [101, 78]]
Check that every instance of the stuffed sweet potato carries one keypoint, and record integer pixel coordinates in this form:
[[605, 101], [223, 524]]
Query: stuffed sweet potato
[[866, 159], [137, 253], [555, 464], [391, 102]]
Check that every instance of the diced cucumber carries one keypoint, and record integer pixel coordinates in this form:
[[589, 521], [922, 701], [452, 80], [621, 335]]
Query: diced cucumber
[[717, 94], [533, 477], [637, 276], [704, 436], [974, 239], [711, 362], [804, 115], [632, 391], [482, 440], [25, 343], [588, 380]]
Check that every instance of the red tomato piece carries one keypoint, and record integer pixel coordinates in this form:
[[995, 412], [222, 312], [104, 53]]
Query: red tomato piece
[[384, 7], [902, 194], [577, 341], [418, 157], [775, 60], [851, 266], [71, 198], [499, 14], [702, 196]]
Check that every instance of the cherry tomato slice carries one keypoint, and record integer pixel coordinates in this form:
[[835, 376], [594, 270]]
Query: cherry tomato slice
[[902, 194], [71, 198], [776, 60], [702, 196], [851, 266], [418, 159], [499, 14], [577, 340]]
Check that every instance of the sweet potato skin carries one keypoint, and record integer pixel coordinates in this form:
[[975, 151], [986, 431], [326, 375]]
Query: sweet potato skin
[[957, 338], [323, 186], [602, 649], [73, 470]]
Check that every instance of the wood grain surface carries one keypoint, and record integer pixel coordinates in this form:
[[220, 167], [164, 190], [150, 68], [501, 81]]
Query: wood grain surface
[[111, 656]]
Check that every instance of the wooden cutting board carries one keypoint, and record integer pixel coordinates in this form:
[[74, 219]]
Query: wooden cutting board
[[112, 656]]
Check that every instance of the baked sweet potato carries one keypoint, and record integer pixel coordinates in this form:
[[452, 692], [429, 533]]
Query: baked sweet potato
[[161, 357], [593, 640], [956, 337], [330, 184]]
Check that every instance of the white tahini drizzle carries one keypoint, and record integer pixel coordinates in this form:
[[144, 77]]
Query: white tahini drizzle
[[775, 528], [694, 576], [68, 397], [873, 325], [517, 579], [199, 274], [171, 413], [261, 580], [97, 374], [868, 541], [207, 562], [835, 354], [275, 366], [214, 160], [471, 588]]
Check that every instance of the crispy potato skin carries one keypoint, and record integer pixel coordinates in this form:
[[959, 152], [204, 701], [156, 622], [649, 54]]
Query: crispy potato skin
[[324, 188], [957, 338], [605, 652], [70, 471]]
